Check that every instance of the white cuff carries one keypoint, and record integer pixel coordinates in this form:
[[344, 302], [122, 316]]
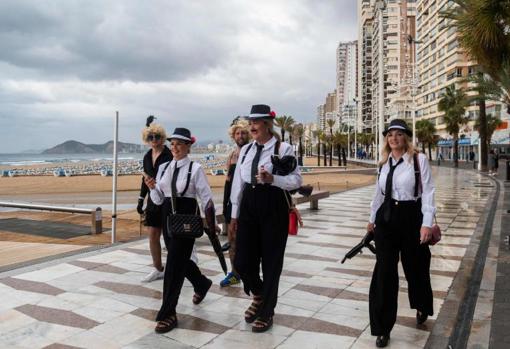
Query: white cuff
[[234, 212], [428, 219]]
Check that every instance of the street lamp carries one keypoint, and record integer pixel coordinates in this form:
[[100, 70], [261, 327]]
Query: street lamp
[[412, 43], [355, 100]]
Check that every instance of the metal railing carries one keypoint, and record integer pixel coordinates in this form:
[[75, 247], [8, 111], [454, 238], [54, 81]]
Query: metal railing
[[95, 214]]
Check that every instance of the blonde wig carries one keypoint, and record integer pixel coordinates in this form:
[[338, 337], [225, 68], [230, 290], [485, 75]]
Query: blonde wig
[[153, 129], [240, 124], [386, 150]]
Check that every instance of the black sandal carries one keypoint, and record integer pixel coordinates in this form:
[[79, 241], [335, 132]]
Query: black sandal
[[252, 312], [262, 324], [199, 297], [166, 325]]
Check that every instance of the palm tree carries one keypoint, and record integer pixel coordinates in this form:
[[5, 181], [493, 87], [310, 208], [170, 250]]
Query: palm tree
[[340, 141], [331, 123], [493, 122], [482, 31], [425, 132], [299, 131], [319, 134], [283, 122], [453, 104], [324, 139], [290, 130]]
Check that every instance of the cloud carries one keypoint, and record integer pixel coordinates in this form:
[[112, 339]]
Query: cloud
[[192, 63]]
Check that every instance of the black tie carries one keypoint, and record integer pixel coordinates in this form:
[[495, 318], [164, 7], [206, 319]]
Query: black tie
[[387, 191], [255, 164], [174, 181]]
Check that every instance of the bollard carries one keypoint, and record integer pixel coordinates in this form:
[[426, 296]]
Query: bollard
[[97, 221], [508, 170], [438, 162], [475, 165]]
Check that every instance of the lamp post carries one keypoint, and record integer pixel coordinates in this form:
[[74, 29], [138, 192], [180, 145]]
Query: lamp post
[[355, 100], [381, 6], [412, 43]]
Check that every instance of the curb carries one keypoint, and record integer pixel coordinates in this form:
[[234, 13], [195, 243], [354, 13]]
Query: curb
[[453, 324]]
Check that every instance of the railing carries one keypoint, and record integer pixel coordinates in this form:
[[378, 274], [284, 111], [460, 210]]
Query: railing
[[95, 214]]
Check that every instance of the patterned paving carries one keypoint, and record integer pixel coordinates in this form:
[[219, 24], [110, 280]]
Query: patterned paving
[[96, 300]]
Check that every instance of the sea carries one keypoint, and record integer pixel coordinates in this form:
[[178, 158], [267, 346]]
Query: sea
[[25, 159]]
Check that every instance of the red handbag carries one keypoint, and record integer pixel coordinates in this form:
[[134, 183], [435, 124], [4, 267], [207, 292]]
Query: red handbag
[[436, 233], [293, 223]]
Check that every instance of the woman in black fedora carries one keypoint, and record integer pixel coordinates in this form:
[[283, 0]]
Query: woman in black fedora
[[402, 213], [188, 180], [260, 214]]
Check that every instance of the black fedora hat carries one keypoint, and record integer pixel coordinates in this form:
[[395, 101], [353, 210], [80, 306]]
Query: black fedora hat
[[398, 124], [261, 111], [183, 134]]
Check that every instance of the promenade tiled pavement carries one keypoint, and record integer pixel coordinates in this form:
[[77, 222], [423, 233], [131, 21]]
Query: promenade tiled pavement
[[96, 300]]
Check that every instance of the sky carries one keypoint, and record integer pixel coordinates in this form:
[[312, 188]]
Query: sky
[[66, 66]]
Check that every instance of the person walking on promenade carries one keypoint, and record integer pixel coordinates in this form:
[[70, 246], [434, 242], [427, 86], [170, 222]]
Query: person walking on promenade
[[238, 132], [401, 220], [260, 214], [496, 162], [492, 162], [188, 181], [153, 135]]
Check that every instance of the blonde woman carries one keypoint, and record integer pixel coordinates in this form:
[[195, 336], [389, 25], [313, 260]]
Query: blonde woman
[[153, 135], [238, 132], [401, 217]]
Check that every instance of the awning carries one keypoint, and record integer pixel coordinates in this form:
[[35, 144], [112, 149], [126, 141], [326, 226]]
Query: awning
[[449, 142]]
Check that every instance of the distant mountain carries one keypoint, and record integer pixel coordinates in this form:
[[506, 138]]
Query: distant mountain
[[75, 147]]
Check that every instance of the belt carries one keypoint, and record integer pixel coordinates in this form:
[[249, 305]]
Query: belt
[[405, 202]]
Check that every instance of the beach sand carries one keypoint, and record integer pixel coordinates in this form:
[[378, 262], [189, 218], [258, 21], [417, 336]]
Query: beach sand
[[92, 191]]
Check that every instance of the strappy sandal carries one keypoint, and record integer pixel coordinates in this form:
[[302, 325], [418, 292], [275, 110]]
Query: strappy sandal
[[198, 298], [252, 312], [262, 324], [166, 325]]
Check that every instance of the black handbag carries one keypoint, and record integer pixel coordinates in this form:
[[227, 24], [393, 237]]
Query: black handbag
[[185, 225], [181, 225]]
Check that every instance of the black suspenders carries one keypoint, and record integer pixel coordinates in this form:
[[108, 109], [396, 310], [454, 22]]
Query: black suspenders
[[417, 176], [187, 180]]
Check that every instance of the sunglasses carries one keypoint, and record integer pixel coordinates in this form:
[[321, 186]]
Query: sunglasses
[[153, 137]]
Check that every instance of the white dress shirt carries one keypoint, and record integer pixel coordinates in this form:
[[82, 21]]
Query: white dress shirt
[[242, 174], [198, 185], [403, 187]]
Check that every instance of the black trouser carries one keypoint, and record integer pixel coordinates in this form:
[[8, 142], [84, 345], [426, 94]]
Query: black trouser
[[261, 237], [401, 235], [178, 264]]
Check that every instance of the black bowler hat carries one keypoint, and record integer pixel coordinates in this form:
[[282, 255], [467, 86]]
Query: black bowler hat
[[398, 124], [261, 111], [183, 134]]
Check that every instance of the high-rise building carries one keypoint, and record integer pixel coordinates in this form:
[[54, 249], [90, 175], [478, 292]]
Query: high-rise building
[[386, 62], [440, 62], [346, 82], [364, 99], [327, 111]]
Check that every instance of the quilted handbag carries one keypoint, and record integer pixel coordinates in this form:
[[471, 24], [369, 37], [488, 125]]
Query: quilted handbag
[[185, 225]]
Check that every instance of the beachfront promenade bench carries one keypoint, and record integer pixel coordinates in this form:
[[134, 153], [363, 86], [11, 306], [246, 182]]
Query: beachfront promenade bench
[[95, 214], [313, 199]]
